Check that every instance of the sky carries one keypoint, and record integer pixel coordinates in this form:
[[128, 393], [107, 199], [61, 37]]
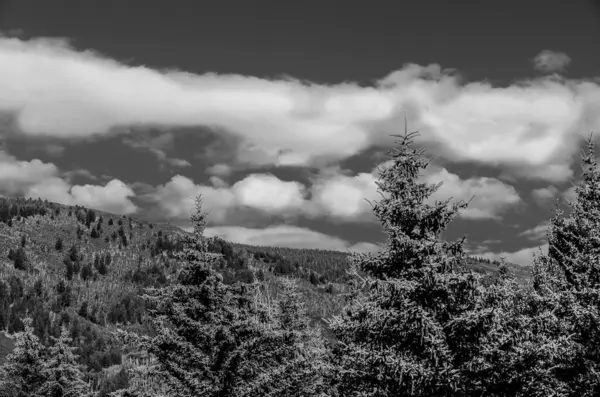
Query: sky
[[279, 113]]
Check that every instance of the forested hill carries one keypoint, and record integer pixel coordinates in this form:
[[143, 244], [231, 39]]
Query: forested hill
[[85, 269]]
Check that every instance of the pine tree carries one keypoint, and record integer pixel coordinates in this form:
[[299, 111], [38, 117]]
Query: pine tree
[[203, 327], [292, 352], [407, 330], [21, 261], [520, 346], [568, 279], [63, 376], [59, 244], [22, 375]]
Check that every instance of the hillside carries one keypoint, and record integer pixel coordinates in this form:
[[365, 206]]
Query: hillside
[[85, 268]]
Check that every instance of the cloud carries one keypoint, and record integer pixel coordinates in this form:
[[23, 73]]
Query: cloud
[[221, 170], [492, 196], [527, 127], [543, 195], [343, 197], [551, 61], [268, 193], [175, 199], [157, 146], [523, 257], [37, 179], [333, 194], [287, 236], [537, 233], [15, 176], [54, 149], [569, 195], [260, 192]]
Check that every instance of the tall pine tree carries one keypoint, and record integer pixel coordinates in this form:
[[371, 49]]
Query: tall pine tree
[[569, 278], [402, 335]]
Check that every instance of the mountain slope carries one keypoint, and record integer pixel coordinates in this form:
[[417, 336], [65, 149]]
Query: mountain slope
[[85, 268]]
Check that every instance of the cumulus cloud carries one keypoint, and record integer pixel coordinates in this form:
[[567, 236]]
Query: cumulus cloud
[[262, 192], [528, 127], [551, 61], [175, 198], [288, 236], [490, 196], [343, 197], [268, 193], [333, 194], [38, 179]]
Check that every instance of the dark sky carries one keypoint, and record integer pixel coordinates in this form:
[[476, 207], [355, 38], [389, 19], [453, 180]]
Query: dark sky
[[322, 41]]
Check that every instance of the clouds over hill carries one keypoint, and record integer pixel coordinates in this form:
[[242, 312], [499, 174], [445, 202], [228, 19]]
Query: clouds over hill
[[526, 131]]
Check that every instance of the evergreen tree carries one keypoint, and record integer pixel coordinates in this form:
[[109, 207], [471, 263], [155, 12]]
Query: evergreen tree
[[211, 338], [567, 280], [292, 353], [407, 333], [59, 244], [520, 347], [21, 375], [63, 376], [21, 261]]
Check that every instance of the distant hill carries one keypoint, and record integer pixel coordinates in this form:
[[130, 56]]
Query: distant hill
[[84, 268]]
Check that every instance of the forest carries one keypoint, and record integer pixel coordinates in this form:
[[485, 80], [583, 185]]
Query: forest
[[96, 304]]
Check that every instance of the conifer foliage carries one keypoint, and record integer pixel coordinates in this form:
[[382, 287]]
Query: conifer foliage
[[63, 377], [31, 370], [569, 277], [402, 337], [291, 358], [214, 339], [23, 370]]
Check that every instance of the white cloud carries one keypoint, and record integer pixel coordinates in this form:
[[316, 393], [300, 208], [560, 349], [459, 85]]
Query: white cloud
[[16, 175], [343, 197], [523, 257], [538, 232], [527, 127], [544, 195], [219, 170], [268, 193], [492, 196], [262, 192], [333, 194], [37, 179], [551, 61], [176, 198], [287, 236], [112, 197]]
